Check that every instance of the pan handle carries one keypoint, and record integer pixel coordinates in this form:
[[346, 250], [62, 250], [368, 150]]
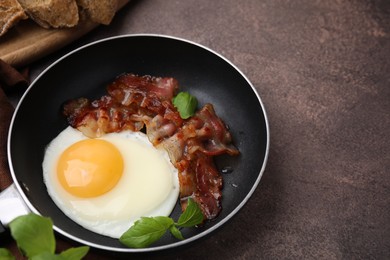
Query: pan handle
[[11, 206]]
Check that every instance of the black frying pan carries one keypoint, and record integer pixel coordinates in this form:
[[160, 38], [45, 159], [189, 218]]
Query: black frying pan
[[86, 71]]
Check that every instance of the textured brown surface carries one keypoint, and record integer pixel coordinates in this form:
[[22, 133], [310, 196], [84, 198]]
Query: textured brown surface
[[322, 69]]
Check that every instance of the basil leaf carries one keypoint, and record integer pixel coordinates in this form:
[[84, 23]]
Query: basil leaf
[[33, 234], [192, 216], [75, 253], [47, 256], [185, 104], [146, 231], [176, 232], [5, 254]]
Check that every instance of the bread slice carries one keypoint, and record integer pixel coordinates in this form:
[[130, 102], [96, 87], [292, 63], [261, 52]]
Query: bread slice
[[101, 11], [10, 14], [52, 13]]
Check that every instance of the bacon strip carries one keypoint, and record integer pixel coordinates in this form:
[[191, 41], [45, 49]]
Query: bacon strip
[[137, 103]]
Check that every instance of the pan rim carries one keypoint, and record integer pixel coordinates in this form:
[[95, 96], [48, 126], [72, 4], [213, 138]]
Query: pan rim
[[156, 248]]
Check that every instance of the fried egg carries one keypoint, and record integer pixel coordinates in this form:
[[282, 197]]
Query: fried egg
[[105, 184]]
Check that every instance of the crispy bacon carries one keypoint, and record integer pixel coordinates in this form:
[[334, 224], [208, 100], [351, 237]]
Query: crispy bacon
[[102, 116], [191, 150], [136, 103], [211, 134], [131, 102], [129, 87], [200, 180]]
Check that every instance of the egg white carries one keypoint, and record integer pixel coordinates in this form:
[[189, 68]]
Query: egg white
[[149, 185]]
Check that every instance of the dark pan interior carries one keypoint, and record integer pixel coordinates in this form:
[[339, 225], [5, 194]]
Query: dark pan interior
[[85, 73]]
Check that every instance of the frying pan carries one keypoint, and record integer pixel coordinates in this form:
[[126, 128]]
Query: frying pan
[[86, 71]]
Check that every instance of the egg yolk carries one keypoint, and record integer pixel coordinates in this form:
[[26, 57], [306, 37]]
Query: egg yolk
[[90, 168]]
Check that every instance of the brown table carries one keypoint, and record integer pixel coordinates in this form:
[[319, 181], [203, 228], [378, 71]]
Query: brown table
[[322, 69]]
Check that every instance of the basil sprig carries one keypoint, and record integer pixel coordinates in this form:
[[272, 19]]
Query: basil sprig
[[186, 104], [34, 234], [148, 230], [35, 238]]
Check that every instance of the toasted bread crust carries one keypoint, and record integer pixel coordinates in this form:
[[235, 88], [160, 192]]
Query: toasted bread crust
[[99, 11], [57, 13], [11, 12], [52, 13]]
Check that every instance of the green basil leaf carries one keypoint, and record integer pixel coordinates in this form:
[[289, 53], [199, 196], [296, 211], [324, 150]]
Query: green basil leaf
[[47, 256], [5, 254], [192, 216], [75, 253], [146, 231], [186, 104], [176, 232], [33, 234]]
